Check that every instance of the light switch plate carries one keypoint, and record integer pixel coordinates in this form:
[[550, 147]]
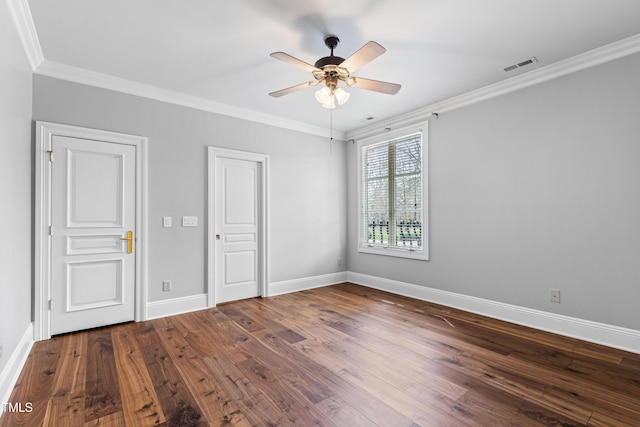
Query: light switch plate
[[189, 221], [166, 222]]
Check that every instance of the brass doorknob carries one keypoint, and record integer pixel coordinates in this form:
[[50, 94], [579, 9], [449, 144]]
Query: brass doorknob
[[129, 240]]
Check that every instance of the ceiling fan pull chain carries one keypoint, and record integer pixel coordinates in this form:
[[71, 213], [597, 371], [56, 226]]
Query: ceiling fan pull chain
[[330, 133]]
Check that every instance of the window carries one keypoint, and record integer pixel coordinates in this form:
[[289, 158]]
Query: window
[[393, 195]]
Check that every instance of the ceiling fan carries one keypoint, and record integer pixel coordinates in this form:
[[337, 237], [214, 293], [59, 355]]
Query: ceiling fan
[[333, 69]]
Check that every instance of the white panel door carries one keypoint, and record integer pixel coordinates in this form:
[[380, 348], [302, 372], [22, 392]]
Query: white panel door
[[237, 261], [92, 215]]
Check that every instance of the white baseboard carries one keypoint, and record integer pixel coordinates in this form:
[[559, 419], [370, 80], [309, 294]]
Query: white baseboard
[[11, 372], [295, 285], [173, 306], [599, 333]]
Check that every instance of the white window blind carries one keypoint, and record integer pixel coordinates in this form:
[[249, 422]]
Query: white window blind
[[392, 191]]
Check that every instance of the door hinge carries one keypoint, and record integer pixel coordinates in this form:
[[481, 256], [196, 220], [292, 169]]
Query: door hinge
[[50, 155], [51, 230], [50, 305]]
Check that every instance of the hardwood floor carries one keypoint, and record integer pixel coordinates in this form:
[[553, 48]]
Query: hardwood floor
[[343, 355]]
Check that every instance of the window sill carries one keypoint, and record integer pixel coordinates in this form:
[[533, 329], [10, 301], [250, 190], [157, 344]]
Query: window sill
[[395, 252]]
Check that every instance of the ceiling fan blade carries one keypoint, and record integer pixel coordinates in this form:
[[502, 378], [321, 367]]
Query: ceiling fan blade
[[296, 88], [375, 85], [294, 61], [362, 56]]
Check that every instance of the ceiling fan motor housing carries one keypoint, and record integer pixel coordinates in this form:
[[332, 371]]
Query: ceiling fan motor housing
[[331, 42], [328, 60]]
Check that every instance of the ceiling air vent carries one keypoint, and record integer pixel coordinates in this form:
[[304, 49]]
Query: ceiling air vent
[[521, 64]]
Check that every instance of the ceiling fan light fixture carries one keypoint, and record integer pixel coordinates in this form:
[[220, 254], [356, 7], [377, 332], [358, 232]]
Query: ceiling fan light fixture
[[332, 98]]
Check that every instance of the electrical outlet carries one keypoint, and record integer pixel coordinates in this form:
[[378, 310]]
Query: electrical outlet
[[166, 222], [339, 262], [554, 295], [189, 221], [166, 285]]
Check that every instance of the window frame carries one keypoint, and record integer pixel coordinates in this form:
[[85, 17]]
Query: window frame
[[387, 137]]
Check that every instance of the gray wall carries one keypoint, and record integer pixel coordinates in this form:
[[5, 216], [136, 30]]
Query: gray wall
[[307, 181], [15, 188], [534, 190]]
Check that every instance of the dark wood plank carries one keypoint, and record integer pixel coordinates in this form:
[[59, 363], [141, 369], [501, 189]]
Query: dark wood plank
[[215, 400], [112, 420], [209, 339], [244, 393], [102, 390], [291, 337], [66, 408], [341, 413], [235, 313], [290, 366], [546, 417], [176, 401], [141, 405], [298, 410], [327, 366]]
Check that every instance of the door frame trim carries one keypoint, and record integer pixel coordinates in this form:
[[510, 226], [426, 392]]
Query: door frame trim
[[263, 211], [42, 217]]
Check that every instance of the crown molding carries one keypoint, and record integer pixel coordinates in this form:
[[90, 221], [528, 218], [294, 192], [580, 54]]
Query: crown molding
[[607, 53], [105, 81], [23, 21]]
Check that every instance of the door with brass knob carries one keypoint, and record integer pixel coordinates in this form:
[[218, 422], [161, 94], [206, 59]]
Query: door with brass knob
[[93, 215]]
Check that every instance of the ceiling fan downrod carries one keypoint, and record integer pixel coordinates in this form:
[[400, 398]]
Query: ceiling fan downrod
[[331, 42]]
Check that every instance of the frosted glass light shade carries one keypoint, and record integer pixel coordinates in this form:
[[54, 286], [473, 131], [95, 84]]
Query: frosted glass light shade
[[341, 95], [323, 95], [332, 98]]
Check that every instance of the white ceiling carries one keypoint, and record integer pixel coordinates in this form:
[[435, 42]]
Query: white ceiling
[[219, 50]]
